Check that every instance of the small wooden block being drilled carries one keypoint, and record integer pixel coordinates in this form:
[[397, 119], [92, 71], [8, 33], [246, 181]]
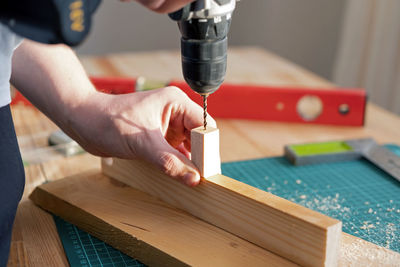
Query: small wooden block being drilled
[[205, 150]]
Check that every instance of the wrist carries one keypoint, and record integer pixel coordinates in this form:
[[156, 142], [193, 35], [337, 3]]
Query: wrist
[[81, 112]]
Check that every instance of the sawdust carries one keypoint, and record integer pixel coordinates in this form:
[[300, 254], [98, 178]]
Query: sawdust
[[382, 231], [324, 204], [390, 232], [271, 188], [370, 210], [358, 253], [366, 225]]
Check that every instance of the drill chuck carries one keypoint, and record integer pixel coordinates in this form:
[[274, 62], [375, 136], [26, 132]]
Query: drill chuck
[[204, 63], [204, 26]]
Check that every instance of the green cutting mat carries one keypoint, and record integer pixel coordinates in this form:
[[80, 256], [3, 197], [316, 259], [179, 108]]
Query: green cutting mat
[[363, 197]]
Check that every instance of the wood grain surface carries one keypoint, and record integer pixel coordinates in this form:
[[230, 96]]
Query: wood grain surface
[[294, 232], [205, 150], [239, 139], [145, 227]]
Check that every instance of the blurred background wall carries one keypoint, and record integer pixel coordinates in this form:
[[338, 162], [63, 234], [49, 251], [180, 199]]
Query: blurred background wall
[[339, 40], [305, 31]]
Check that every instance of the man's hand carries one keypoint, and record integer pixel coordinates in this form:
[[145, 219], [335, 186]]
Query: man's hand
[[153, 125], [164, 6]]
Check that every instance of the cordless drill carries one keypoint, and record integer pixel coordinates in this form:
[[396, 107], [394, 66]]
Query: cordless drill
[[204, 25]]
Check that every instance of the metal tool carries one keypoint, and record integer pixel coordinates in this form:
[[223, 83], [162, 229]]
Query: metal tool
[[204, 25], [48, 147], [324, 152], [64, 144]]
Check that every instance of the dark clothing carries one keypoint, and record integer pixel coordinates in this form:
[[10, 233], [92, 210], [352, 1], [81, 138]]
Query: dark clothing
[[12, 180]]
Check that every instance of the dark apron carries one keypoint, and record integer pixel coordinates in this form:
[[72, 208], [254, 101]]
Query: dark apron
[[12, 180]]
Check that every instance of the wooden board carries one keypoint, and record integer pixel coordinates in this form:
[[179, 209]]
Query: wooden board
[[292, 231], [144, 227]]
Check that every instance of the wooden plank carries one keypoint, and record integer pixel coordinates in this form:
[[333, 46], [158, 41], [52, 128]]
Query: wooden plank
[[35, 229], [299, 234], [205, 150], [144, 227]]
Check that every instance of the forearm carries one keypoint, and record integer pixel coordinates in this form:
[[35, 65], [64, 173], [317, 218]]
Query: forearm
[[154, 125], [52, 78]]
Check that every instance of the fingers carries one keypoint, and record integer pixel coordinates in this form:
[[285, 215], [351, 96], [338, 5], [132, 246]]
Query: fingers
[[183, 117], [193, 113], [183, 149], [171, 161]]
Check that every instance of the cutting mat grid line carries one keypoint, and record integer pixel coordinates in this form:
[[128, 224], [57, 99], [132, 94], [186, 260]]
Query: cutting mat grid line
[[84, 250], [364, 198]]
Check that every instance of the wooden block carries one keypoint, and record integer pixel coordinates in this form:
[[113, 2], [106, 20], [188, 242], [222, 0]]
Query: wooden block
[[144, 227], [273, 223], [205, 150]]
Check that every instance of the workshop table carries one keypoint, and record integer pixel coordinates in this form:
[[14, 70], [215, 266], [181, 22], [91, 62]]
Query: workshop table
[[35, 240]]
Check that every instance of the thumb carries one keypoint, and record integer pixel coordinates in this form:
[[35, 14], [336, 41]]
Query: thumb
[[172, 162]]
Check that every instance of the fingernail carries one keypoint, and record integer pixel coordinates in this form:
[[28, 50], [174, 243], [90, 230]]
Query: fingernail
[[191, 179]]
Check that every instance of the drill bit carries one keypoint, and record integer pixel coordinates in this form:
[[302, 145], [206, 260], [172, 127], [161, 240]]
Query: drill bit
[[205, 110]]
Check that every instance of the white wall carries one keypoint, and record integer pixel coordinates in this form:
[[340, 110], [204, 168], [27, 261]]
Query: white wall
[[304, 31], [369, 54], [120, 26]]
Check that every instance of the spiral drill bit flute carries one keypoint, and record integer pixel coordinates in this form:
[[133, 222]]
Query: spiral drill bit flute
[[204, 25], [205, 110]]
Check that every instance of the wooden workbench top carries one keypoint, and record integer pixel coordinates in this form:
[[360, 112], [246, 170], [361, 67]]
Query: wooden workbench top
[[35, 240]]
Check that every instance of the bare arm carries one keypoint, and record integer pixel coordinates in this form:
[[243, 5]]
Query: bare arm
[[153, 125]]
